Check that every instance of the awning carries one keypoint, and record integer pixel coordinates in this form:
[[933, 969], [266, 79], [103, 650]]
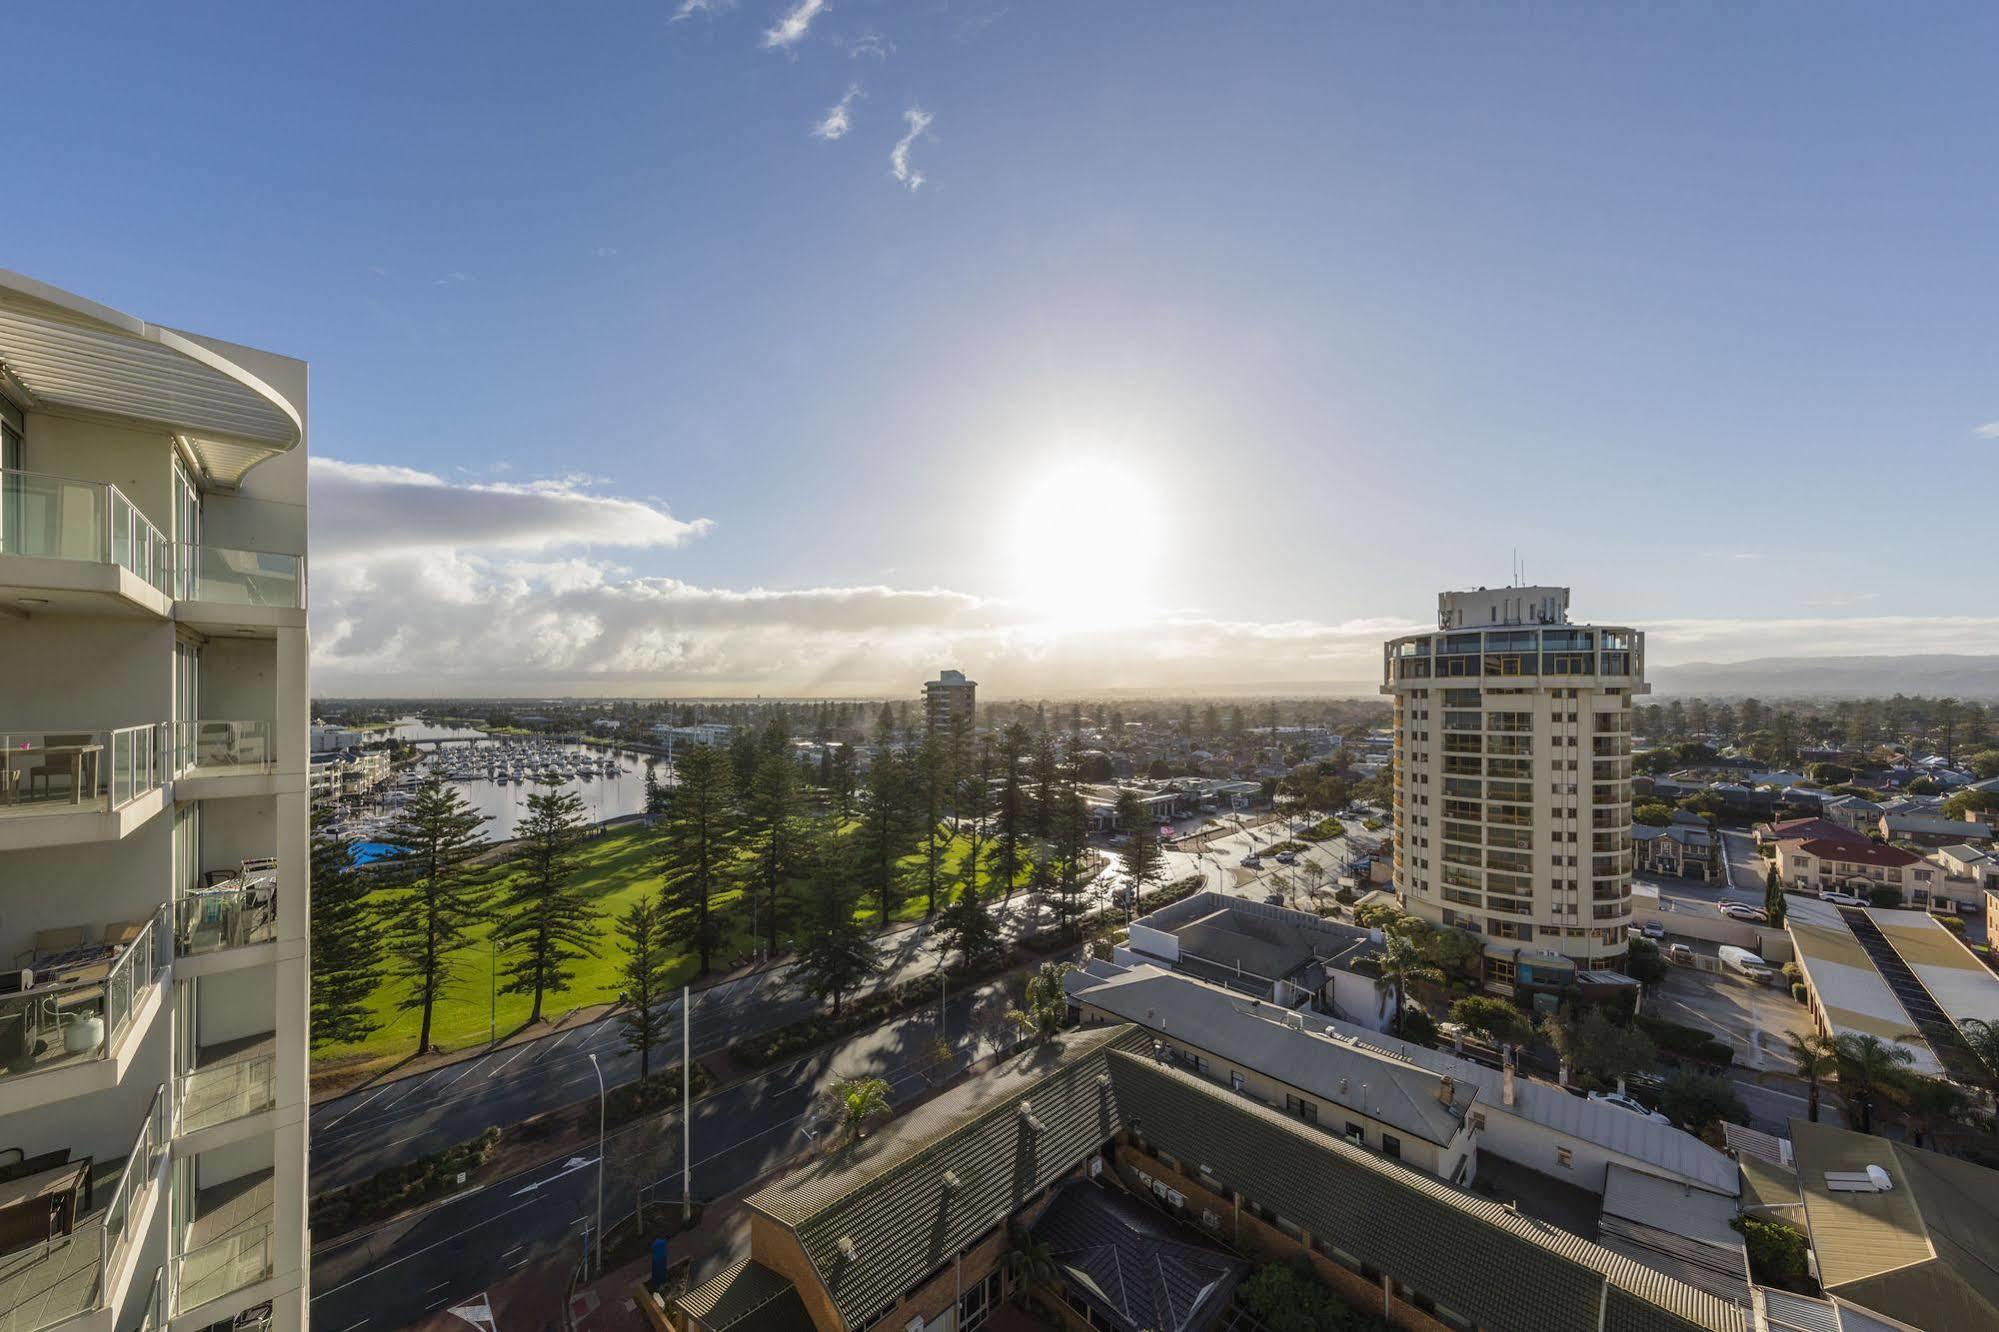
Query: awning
[[61, 351]]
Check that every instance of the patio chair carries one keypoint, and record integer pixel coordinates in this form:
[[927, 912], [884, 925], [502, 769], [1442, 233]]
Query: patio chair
[[42, 773], [50, 942], [125, 931]]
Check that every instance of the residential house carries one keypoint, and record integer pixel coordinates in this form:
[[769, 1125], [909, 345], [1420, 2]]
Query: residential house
[[1932, 830], [1821, 863]]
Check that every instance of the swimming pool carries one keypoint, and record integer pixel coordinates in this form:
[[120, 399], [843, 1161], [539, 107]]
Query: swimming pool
[[367, 853]]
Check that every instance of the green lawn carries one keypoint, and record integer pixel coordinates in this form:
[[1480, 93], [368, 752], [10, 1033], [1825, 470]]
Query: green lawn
[[614, 869]]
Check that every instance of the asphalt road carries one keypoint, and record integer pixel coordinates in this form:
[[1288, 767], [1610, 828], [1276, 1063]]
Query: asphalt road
[[407, 1269], [370, 1129]]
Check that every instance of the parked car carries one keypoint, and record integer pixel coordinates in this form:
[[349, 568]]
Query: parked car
[[1252, 861], [1680, 955], [1746, 963], [1287, 858], [1625, 1101], [1839, 897], [1744, 912], [1652, 929], [1274, 899]]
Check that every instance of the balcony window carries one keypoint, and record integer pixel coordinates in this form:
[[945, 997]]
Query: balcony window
[[233, 913]]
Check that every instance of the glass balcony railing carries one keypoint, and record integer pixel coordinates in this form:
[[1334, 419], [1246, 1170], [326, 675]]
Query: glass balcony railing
[[235, 914], [79, 997], [228, 1264], [58, 518], [142, 1167], [221, 1093], [219, 745], [242, 577], [67, 769]]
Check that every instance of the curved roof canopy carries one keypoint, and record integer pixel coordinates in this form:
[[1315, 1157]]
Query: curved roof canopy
[[61, 351]]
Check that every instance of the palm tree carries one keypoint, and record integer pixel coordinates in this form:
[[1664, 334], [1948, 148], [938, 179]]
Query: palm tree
[[1028, 1262], [854, 1102], [1815, 1059], [1930, 1103], [1866, 1065], [1401, 961], [1983, 1038]]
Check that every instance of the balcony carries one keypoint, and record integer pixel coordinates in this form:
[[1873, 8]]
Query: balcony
[[81, 997], [235, 913], [69, 772], [227, 1246], [224, 748], [229, 1082], [71, 1224], [79, 524], [220, 576]]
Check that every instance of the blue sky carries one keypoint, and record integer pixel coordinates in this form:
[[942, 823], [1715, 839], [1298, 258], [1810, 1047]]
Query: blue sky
[[1274, 318]]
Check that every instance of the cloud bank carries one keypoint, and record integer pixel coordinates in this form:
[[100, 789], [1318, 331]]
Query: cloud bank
[[423, 586]]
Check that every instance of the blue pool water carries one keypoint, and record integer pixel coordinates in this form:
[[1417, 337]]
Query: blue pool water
[[366, 853]]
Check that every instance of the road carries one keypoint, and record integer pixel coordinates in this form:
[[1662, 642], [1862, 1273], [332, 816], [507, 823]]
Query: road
[[367, 1130], [396, 1275]]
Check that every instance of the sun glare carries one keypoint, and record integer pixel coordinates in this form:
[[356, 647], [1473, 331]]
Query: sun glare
[[1088, 539]]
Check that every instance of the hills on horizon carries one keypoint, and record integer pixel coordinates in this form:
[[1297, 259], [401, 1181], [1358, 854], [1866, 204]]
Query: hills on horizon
[[1930, 674]]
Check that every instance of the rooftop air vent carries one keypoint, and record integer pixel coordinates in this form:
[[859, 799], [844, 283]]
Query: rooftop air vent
[[847, 1250]]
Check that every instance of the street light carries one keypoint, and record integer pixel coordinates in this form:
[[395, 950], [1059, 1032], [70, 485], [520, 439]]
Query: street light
[[598, 1070]]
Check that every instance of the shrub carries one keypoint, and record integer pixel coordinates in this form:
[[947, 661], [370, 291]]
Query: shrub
[[1776, 1251], [1373, 825], [1322, 831], [1885, 896], [1686, 1042], [1792, 973], [1799, 993], [1418, 1027], [1955, 924]]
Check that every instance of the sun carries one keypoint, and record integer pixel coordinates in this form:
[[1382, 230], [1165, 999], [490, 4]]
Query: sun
[[1088, 538]]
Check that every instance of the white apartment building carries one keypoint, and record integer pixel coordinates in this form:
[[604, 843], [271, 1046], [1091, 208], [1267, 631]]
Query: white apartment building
[[153, 830], [1513, 781]]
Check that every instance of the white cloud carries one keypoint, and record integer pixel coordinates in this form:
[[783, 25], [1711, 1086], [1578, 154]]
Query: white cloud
[[372, 509], [452, 279], [689, 8], [1990, 430], [790, 30], [838, 118], [918, 121], [871, 43], [423, 586]]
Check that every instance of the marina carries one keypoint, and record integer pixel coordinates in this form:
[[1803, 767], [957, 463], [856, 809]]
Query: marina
[[497, 774]]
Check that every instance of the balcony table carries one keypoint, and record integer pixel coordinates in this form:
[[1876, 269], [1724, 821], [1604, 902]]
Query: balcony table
[[39, 1207], [74, 753]]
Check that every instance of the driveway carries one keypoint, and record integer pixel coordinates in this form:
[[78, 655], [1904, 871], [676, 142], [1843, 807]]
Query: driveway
[[1745, 869], [1751, 1018]]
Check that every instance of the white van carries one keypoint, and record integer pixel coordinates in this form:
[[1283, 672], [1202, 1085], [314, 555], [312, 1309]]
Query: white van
[[1746, 963]]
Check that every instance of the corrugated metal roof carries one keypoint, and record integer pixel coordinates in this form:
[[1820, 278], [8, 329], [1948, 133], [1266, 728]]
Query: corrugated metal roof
[[1502, 1270], [748, 1295], [66, 352]]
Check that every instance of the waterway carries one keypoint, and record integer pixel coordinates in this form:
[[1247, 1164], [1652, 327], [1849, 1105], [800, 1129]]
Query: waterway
[[506, 804]]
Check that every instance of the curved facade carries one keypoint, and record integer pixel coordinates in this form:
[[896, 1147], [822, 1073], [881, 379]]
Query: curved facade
[[1512, 806]]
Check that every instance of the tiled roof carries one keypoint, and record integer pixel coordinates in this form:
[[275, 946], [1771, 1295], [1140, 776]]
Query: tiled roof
[[1853, 853], [750, 1296], [900, 1203], [1137, 1268], [1487, 1262]]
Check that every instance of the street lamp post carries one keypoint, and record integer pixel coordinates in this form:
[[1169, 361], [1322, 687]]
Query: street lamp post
[[599, 1071]]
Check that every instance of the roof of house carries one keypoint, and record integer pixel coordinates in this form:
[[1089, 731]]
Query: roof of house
[[1935, 825], [748, 1295], [1676, 1229], [1852, 853], [1814, 830], [1259, 1036], [1489, 1263], [1685, 834], [904, 1200], [1850, 989], [1925, 1252], [1140, 1272]]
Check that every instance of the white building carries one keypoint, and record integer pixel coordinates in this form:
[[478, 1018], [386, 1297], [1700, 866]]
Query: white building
[[153, 836], [1513, 780]]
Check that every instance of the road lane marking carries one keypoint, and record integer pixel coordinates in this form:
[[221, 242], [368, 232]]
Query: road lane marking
[[352, 1109], [319, 1295], [500, 1067], [557, 1045]]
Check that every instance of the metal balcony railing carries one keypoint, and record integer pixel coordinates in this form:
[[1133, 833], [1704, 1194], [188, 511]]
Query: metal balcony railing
[[60, 518], [66, 770], [225, 576], [81, 997], [233, 914], [202, 745]]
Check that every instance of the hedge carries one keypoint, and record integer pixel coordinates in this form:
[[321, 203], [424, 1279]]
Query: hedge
[[867, 1011], [1686, 1042], [400, 1187]]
